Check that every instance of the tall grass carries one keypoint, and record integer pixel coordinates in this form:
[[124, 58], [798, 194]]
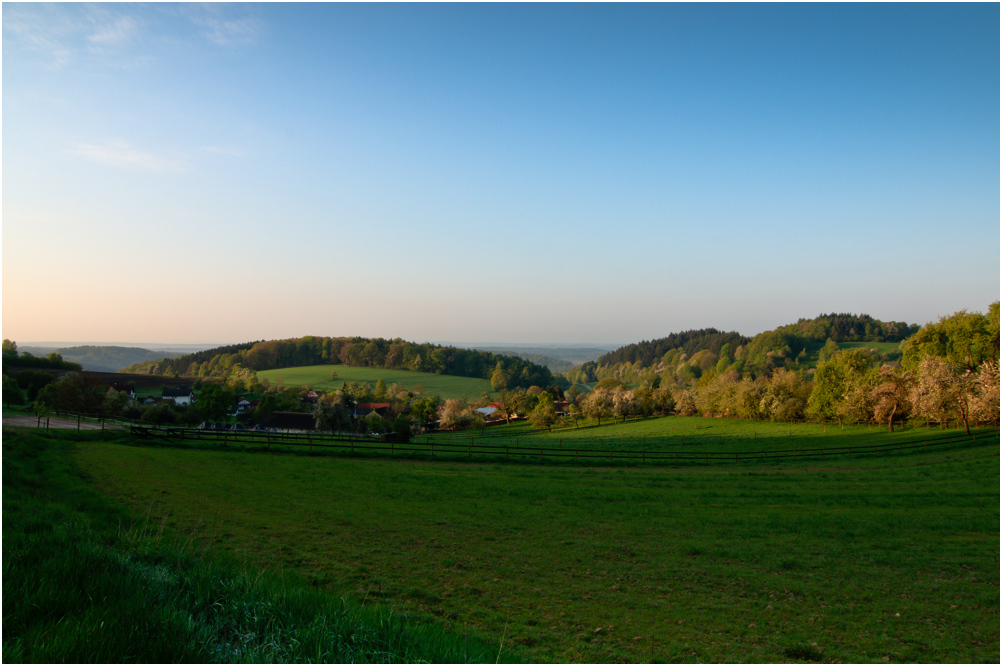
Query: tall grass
[[85, 581]]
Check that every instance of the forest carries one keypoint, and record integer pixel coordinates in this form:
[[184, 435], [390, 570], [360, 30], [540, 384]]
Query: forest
[[693, 355]]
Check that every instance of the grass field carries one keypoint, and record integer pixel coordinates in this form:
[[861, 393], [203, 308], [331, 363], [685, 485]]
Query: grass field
[[814, 348], [693, 434], [882, 347], [859, 560], [319, 377], [86, 581]]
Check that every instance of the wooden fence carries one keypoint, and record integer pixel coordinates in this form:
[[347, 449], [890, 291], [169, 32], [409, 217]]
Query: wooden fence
[[431, 447]]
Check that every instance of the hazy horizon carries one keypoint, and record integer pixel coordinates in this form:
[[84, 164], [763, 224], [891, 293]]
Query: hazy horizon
[[172, 346], [494, 171]]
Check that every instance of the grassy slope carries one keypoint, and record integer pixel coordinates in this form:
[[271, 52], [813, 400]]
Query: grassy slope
[[319, 377], [858, 560], [84, 581]]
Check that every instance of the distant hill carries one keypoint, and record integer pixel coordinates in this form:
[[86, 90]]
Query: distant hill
[[557, 359], [98, 358], [688, 356], [242, 361], [647, 353]]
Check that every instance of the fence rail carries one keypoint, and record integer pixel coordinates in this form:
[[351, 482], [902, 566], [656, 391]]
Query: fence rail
[[438, 445], [432, 447]]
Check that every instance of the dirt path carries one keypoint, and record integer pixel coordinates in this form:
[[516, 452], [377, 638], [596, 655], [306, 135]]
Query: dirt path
[[54, 422]]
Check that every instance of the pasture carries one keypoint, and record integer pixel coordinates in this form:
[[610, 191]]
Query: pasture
[[854, 559], [319, 377], [694, 436], [86, 581]]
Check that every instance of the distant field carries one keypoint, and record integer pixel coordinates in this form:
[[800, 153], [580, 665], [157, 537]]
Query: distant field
[[863, 560], [882, 347], [319, 377]]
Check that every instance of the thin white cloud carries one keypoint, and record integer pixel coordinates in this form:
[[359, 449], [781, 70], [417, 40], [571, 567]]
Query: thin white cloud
[[230, 33], [120, 154], [41, 28], [121, 35], [117, 31], [220, 29]]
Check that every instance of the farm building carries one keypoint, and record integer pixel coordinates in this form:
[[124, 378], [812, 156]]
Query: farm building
[[181, 395], [128, 389], [288, 421]]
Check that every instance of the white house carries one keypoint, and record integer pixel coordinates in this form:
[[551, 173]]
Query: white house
[[181, 395]]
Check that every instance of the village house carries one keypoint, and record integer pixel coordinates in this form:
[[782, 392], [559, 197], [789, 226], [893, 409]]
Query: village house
[[363, 409], [181, 395], [127, 389]]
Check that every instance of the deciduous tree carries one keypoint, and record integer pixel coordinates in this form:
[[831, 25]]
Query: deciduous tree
[[966, 339], [331, 415], [499, 379], [833, 381], [597, 404], [891, 395]]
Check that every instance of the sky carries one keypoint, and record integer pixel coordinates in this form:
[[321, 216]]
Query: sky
[[557, 173]]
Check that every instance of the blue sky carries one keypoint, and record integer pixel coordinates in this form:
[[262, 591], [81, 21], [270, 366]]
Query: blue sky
[[519, 173]]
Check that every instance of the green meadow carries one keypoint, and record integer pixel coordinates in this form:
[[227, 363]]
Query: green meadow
[[886, 557], [695, 434], [88, 580], [319, 377]]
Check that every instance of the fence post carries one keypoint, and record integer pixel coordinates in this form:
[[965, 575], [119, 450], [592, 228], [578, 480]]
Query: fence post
[[78, 423]]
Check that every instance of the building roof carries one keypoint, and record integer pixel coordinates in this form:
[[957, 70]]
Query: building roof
[[177, 392], [289, 421]]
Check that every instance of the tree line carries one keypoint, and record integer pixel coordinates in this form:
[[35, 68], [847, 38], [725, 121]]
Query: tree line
[[53, 361]]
